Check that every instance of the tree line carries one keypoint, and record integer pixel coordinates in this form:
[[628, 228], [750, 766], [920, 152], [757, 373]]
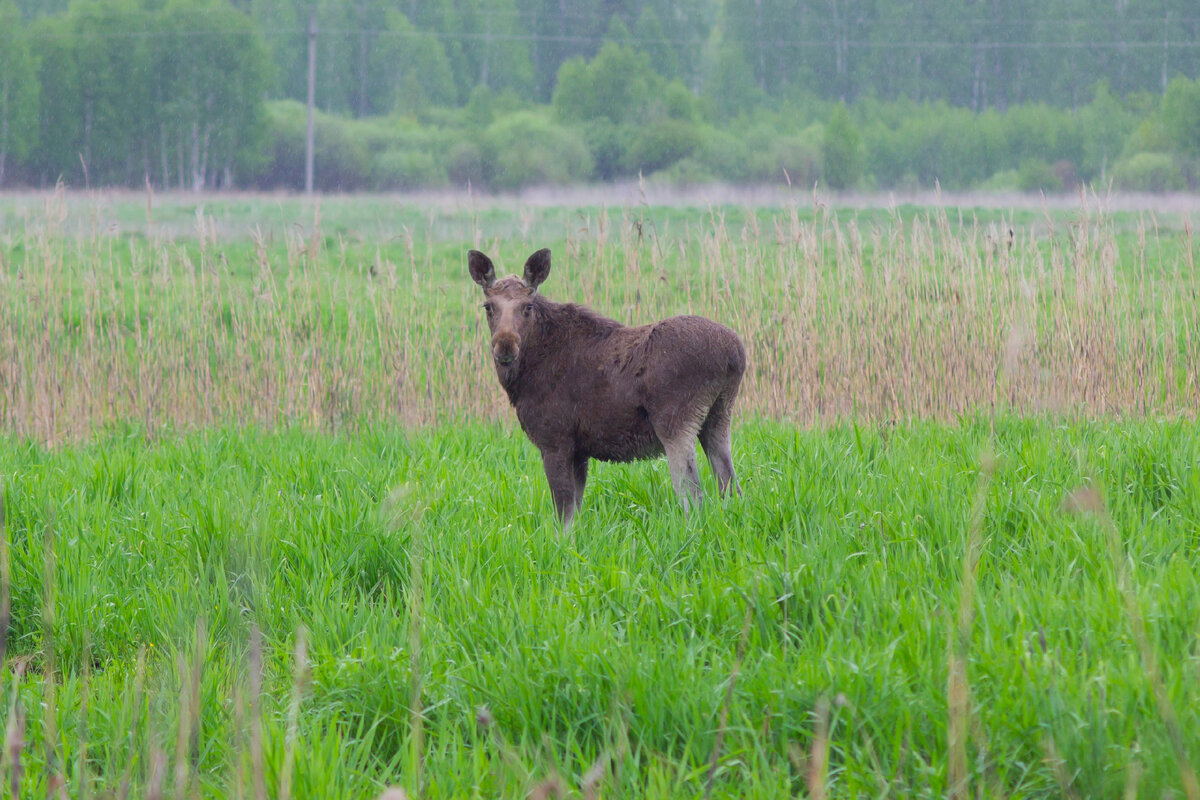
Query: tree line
[[201, 94]]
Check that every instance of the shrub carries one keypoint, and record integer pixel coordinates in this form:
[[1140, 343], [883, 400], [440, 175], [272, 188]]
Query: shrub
[[798, 156], [1149, 172], [464, 164], [607, 144], [340, 161], [1035, 175], [841, 150], [1006, 180], [724, 155], [661, 144], [685, 172], [525, 149], [406, 169]]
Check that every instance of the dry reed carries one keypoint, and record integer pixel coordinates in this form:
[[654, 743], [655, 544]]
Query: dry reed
[[899, 319]]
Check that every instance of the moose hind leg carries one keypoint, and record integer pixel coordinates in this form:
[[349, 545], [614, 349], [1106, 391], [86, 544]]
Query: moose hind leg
[[681, 458], [716, 437], [677, 430]]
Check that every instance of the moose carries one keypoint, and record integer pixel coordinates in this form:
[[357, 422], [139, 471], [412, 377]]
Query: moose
[[588, 387]]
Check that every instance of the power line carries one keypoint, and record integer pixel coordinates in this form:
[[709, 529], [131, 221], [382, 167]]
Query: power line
[[579, 39]]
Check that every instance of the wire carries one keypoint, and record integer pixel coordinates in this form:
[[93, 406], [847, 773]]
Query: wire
[[578, 39]]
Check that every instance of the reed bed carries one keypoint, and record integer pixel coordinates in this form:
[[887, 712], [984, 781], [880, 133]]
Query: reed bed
[[888, 320]]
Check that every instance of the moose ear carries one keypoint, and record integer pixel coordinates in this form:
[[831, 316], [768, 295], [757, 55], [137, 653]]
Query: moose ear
[[482, 270], [537, 268]]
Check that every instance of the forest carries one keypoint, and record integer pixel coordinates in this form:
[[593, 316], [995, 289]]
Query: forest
[[503, 94]]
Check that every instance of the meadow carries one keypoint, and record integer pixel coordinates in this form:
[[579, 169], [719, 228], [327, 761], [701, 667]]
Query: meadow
[[269, 529]]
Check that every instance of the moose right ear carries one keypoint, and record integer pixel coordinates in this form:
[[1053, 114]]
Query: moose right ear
[[483, 271]]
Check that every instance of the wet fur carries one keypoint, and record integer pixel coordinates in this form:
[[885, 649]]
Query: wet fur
[[586, 387]]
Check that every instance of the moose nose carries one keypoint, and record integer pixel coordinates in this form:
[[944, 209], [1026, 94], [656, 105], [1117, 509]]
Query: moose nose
[[505, 347]]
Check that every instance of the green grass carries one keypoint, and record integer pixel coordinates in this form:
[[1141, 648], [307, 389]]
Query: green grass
[[842, 562]]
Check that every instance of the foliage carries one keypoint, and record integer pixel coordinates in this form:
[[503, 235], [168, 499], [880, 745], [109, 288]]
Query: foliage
[[841, 153], [172, 92], [1181, 116], [410, 69], [1149, 172], [19, 90], [526, 149], [1035, 175], [618, 85], [661, 144]]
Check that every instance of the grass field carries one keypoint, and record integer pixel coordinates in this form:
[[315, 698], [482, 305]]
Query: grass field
[[269, 529]]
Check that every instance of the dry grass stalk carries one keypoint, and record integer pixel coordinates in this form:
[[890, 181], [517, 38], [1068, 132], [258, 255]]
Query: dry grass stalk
[[550, 787], [416, 708], [1133, 777], [55, 783], [14, 742], [958, 690], [84, 788], [187, 742], [899, 319], [723, 721], [139, 682], [5, 585], [257, 767], [1058, 766], [817, 779], [299, 678], [158, 772]]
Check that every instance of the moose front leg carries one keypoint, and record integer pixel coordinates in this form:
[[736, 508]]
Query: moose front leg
[[560, 474], [580, 473]]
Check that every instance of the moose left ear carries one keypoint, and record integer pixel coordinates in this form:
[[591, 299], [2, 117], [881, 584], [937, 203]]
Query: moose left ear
[[537, 268]]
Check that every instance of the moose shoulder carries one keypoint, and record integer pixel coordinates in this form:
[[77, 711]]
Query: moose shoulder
[[587, 387]]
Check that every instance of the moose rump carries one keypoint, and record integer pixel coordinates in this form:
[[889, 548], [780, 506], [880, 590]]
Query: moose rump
[[586, 387]]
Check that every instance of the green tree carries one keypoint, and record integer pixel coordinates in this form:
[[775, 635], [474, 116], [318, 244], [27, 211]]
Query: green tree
[[1181, 116], [18, 89], [409, 69], [59, 133], [656, 44], [214, 71], [113, 69], [1106, 125], [841, 150], [618, 84], [729, 85]]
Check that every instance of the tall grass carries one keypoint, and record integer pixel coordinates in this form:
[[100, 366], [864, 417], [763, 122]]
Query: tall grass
[[539, 657], [892, 319]]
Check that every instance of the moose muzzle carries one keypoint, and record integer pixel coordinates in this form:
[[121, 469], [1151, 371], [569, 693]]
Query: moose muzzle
[[505, 347]]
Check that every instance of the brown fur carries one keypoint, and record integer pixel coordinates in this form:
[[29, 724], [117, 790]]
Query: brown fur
[[587, 387]]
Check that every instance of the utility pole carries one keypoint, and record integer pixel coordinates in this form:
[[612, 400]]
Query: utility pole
[[312, 96]]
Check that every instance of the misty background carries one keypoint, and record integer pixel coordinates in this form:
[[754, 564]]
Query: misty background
[[505, 94]]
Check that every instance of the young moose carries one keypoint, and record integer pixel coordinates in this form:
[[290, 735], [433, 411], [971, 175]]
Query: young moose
[[588, 387]]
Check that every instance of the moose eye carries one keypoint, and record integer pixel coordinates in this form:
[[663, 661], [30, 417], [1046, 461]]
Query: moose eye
[[527, 310], [488, 309]]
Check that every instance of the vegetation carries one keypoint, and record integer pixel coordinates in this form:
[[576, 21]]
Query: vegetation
[[799, 635], [266, 521], [843, 318], [203, 94]]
